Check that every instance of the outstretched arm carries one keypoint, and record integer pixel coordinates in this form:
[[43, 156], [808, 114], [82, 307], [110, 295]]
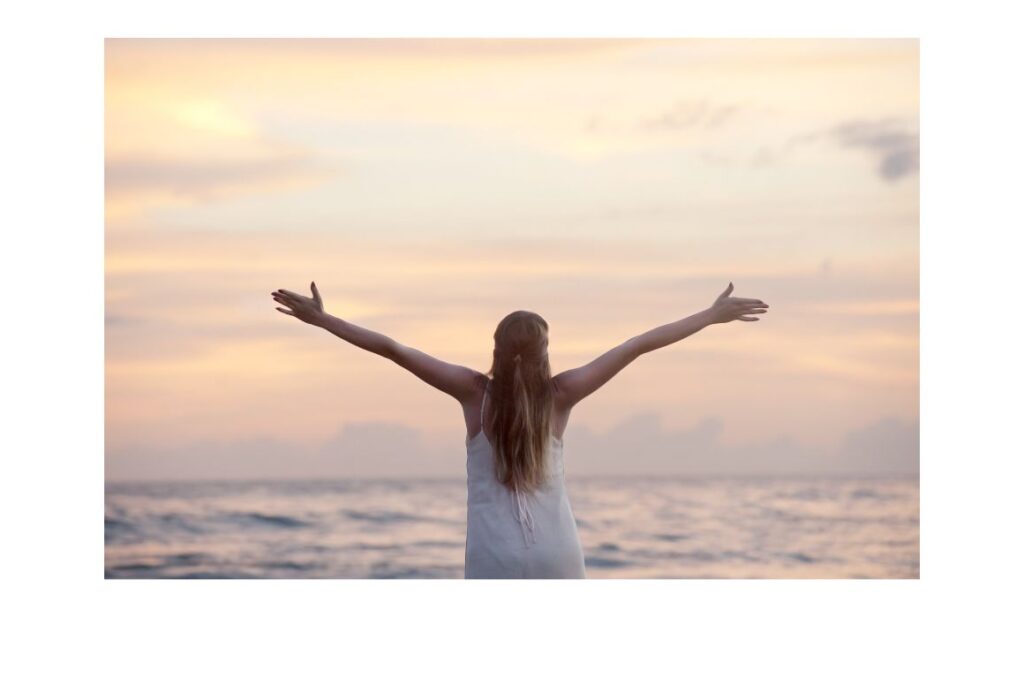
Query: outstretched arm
[[576, 384], [457, 381]]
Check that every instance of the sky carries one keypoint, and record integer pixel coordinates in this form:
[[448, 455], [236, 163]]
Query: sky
[[432, 186]]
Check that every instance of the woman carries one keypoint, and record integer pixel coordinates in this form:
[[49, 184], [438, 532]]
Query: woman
[[520, 523]]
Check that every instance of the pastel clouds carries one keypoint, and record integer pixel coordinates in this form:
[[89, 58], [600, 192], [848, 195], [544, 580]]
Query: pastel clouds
[[637, 446]]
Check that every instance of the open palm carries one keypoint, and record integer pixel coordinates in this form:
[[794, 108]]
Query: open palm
[[727, 308], [307, 309]]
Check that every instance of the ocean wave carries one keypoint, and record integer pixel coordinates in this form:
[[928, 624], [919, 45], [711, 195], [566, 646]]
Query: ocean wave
[[385, 517], [780, 515], [177, 521], [116, 531], [289, 565], [388, 571], [601, 562], [671, 537], [185, 559], [804, 494], [695, 555], [362, 546], [436, 543], [134, 568], [864, 493], [269, 519]]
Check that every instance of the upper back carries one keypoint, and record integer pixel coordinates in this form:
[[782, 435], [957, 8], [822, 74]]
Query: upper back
[[474, 414]]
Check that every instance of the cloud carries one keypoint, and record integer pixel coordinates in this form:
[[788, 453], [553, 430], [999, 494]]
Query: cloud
[[763, 157], [379, 448], [888, 445], [204, 179], [635, 133], [478, 48], [894, 143], [895, 146], [204, 51], [641, 446], [637, 446], [690, 113], [245, 458], [373, 449]]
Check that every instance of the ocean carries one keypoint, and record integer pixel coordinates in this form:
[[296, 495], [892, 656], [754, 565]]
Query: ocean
[[629, 527]]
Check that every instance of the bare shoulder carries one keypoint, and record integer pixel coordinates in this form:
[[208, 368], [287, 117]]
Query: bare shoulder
[[559, 395], [562, 402], [475, 399], [561, 407]]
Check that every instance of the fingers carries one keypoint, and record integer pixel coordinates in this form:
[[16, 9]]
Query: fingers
[[294, 305], [316, 293], [747, 309], [727, 291], [281, 299], [293, 295], [745, 312]]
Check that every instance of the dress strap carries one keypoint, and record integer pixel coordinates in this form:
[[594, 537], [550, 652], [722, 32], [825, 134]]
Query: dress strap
[[482, 402]]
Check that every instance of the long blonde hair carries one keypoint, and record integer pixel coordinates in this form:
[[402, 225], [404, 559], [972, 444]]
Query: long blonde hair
[[521, 400]]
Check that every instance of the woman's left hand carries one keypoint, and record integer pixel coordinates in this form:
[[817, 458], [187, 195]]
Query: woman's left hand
[[307, 309]]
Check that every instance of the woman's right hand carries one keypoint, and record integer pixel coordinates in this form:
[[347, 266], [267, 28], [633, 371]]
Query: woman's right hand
[[726, 308]]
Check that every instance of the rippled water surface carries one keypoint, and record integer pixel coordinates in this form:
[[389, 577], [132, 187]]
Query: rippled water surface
[[647, 528]]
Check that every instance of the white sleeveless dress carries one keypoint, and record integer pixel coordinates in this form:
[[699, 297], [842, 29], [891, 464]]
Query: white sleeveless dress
[[513, 535]]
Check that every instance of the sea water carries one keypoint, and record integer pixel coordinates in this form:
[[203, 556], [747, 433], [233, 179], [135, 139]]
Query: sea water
[[629, 528]]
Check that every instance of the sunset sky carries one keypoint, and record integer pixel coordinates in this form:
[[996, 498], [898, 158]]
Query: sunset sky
[[430, 187]]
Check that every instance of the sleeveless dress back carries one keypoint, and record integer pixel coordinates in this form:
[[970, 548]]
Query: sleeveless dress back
[[518, 535]]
